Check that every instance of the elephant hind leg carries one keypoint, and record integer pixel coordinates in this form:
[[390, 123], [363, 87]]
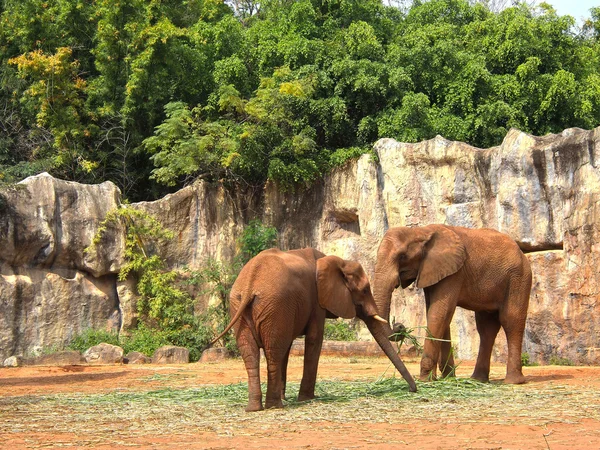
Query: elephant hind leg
[[513, 321], [284, 372], [488, 325], [275, 359], [251, 355]]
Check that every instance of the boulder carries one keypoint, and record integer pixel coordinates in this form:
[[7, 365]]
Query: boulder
[[13, 361], [170, 354], [214, 354], [62, 358], [136, 358], [104, 354]]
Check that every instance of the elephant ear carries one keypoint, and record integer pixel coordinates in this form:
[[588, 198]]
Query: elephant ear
[[444, 254], [332, 287]]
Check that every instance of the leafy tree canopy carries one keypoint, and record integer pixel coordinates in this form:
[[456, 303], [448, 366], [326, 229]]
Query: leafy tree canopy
[[154, 94]]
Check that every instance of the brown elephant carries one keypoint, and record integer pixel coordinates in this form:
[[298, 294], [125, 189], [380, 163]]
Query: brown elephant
[[279, 296], [481, 270]]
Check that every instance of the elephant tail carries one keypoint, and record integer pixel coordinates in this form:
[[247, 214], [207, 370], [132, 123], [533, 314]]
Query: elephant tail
[[243, 305]]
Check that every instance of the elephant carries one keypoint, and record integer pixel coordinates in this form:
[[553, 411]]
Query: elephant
[[280, 295], [481, 270]]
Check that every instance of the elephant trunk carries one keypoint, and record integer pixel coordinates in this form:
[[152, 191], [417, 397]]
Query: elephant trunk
[[384, 283], [379, 331]]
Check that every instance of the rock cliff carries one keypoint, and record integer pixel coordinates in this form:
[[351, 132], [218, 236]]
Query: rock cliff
[[542, 191]]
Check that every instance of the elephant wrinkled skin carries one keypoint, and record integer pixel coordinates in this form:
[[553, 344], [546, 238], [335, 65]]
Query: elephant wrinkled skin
[[279, 296], [481, 270]]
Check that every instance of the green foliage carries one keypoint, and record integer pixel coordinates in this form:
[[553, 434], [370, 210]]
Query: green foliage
[[257, 237], [403, 334], [526, 360], [152, 95], [90, 337], [145, 340], [339, 330], [165, 306], [560, 361], [166, 309], [216, 278]]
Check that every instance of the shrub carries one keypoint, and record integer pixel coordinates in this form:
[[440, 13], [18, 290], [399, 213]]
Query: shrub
[[560, 361], [256, 238], [526, 360], [338, 330], [165, 306], [90, 337]]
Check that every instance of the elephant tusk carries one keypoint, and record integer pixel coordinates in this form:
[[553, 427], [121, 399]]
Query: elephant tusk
[[378, 317]]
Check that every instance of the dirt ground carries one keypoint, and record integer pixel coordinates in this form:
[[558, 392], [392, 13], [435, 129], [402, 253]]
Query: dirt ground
[[83, 407]]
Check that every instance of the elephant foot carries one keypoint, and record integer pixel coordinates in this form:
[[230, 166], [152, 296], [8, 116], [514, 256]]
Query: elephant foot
[[516, 378], [481, 374], [254, 407], [449, 372], [481, 379], [305, 397], [274, 404], [427, 377]]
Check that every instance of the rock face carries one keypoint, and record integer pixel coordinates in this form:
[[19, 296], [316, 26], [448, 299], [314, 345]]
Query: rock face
[[50, 289], [542, 191]]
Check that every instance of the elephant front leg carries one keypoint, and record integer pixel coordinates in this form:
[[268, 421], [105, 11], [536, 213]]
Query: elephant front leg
[[312, 351], [439, 316], [447, 366]]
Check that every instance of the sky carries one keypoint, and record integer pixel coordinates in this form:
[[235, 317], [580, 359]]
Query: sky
[[576, 8]]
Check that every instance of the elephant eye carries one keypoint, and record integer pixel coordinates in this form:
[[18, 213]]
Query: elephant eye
[[402, 256]]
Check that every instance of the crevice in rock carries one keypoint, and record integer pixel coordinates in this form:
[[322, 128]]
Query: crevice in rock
[[345, 220], [18, 314]]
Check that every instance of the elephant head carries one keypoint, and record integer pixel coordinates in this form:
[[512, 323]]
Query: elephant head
[[343, 290], [423, 255]]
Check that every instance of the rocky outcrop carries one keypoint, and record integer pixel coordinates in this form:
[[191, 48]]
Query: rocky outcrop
[[50, 287], [542, 191]]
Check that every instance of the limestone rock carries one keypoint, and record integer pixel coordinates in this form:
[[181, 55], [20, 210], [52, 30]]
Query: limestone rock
[[543, 191], [127, 305], [170, 354], [44, 308], [136, 358], [13, 361], [48, 222], [214, 354], [104, 354], [62, 358]]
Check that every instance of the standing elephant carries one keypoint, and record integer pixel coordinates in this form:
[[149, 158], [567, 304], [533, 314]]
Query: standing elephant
[[481, 270], [279, 296]]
